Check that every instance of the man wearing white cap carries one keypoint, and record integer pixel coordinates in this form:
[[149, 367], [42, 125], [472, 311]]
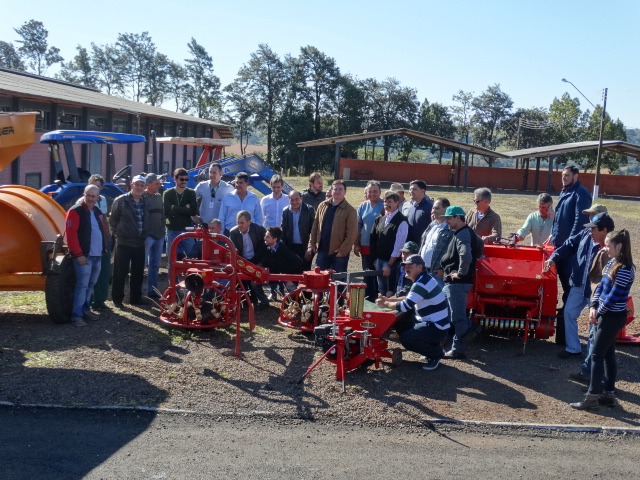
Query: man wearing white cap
[[129, 223], [403, 206]]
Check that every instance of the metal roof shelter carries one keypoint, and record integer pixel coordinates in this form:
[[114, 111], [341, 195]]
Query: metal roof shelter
[[616, 146], [424, 137], [34, 87]]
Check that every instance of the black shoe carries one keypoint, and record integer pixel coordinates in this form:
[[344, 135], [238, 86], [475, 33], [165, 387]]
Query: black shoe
[[154, 295], [139, 301], [471, 334], [607, 399], [580, 378], [564, 355], [118, 304], [453, 355], [101, 306]]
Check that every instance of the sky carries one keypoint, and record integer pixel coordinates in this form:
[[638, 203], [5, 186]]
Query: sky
[[436, 47]]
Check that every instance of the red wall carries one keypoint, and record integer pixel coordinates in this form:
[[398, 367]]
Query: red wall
[[507, 178]]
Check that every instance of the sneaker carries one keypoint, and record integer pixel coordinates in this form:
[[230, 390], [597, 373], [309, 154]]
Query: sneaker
[[90, 316], [564, 355], [431, 364], [78, 322], [453, 355]]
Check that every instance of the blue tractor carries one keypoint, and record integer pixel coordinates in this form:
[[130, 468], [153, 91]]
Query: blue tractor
[[66, 191]]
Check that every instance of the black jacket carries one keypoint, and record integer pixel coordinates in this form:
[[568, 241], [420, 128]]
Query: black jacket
[[256, 234], [124, 224], [305, 223], [283, 260]]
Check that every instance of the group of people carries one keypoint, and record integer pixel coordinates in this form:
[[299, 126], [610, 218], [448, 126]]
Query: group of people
[[424, 252]]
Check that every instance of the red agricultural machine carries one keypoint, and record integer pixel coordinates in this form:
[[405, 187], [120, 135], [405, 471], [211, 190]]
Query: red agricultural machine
[[511, 294]]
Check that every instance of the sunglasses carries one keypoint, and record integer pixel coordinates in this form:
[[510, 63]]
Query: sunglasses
[[183, 179], [213, 192], [478, 201]]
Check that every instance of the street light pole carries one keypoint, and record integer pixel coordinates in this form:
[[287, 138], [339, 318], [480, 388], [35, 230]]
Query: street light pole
[[596, 183]]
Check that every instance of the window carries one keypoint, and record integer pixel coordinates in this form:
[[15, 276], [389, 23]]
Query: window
[[33, 180], [165, 167]]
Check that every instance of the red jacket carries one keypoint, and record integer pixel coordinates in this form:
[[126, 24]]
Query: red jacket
[[78, 229]]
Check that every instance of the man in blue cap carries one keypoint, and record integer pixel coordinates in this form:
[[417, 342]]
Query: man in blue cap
[[459, 265]]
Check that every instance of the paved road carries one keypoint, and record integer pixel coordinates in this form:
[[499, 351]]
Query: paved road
[[105, 444]]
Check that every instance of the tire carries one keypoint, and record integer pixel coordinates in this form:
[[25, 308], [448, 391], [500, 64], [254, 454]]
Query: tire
[[58, 292]]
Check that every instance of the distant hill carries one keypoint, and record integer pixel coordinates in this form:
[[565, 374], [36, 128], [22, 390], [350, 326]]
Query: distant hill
[[633, 135]]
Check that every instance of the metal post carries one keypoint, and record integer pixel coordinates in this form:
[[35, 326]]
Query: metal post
[[337, 161], [596, 183], [466, 168], [552, 159]]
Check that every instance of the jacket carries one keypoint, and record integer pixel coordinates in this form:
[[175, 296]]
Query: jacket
[[157, 220], [461, 255], [582, 251], [313, 199], [442, 243], [344, 230], [569, 219], [124, 223], [283, 260], [419, 218], [78, 229], [256, 234], [490, 226], [305, 223], [383, 237]]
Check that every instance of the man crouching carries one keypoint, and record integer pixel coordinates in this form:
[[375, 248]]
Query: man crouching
[[431, 323]]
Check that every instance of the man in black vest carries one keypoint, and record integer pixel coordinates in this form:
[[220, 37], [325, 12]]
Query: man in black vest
[[87, 241], [387, 239]]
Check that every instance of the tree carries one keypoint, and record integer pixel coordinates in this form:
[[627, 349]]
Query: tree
[[10, 57], [157, 85], [178, 87], [529, 128], [264, 76], [351, 101], [612, 131], [390, 106], [492, 108], [321, 78], [463, 114], [435, 119], [203, 84], [79, 70], [35, 47], [138, 52], [240, 112], [108, 65], [566, 121]]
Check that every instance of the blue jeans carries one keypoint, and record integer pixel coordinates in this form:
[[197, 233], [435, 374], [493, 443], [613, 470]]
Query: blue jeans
[[438, 279], [603, 353], [185, 247], [153, 254], [424, 338], [457, 299], [86, 277], [326, 262], [386, 284], [585, 368], [576, 301]]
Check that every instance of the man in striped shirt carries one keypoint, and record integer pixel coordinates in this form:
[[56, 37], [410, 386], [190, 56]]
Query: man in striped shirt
[[429, 305]]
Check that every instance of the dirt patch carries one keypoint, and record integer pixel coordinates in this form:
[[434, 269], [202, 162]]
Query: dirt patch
[[127, 358]]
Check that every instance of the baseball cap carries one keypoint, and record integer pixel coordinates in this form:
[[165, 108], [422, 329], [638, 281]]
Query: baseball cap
[[452, 211], [601, 221], [410, 247], [413, 260], [151, 177], [396, 187], [138, 178], [596, 208]]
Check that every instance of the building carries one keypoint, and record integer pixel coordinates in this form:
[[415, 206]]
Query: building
[[64, 106]]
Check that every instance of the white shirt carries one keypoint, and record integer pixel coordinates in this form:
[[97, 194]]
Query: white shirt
[[272, 209], [426, 250], [401, 235]]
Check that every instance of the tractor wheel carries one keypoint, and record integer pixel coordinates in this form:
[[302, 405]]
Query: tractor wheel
[[58, 292]]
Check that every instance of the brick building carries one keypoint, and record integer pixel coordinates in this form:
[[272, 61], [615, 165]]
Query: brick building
[[64, 106]]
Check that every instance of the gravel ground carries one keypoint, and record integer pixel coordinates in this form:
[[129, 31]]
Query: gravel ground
[[128, 358]]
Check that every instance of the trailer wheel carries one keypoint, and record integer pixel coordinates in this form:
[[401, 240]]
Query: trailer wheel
[[58, 292]]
